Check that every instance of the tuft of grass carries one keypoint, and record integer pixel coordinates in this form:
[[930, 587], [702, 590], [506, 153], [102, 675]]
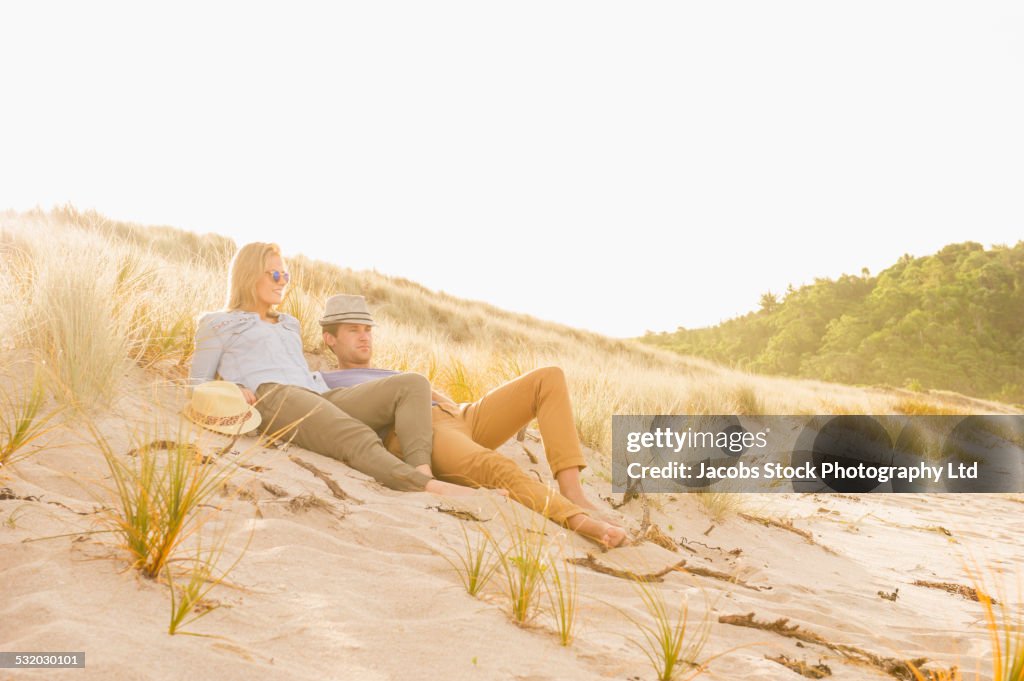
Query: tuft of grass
[[11, 522], [308, 309], [747, 401], [670, 642], [459, 382], [475, 561], [157, 494], [77, 328], [719, 505], [188, 600], [162, 324], [523, 563], [562, 589], [22, 420]]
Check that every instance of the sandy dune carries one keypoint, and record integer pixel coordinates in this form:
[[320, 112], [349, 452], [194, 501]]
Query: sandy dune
[[359, 588]]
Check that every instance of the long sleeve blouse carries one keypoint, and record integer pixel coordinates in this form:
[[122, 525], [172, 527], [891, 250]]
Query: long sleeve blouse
[[246, 350]]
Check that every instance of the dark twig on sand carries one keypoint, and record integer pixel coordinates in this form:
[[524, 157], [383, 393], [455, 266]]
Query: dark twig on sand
[[336, 490], [786, 525], [591, 562]]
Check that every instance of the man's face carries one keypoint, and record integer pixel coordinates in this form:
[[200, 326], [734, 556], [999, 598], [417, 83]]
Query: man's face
[[353, 345]]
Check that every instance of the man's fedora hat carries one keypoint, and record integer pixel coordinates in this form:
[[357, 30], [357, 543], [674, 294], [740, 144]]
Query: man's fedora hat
[[346, 309], [221, 407]]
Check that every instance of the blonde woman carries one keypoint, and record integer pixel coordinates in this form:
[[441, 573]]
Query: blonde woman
[[253, 345]]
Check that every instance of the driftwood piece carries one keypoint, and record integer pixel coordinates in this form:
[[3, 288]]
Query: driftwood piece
[[892, 666], [970, 593]]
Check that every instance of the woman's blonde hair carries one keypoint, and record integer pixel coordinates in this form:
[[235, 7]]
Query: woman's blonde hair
[[248, 265]]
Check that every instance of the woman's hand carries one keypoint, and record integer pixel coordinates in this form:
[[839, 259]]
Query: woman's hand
[[249, 396]]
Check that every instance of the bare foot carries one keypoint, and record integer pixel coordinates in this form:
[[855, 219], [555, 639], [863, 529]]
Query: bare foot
[[593, 509], [572, 489], [598, 530], [615, 536]]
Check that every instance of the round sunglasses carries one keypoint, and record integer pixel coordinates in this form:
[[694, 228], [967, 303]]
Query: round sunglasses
[[278, 276]]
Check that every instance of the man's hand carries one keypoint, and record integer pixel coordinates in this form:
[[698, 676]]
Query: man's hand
[[249, 396]]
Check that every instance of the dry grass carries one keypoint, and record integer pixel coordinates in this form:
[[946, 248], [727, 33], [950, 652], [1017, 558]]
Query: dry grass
[[94, 300], [719, 506], [100, 296], [90, 306], [918, 407]]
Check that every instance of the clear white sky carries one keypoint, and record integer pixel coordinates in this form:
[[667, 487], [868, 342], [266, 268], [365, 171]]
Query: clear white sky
[[616, 166]]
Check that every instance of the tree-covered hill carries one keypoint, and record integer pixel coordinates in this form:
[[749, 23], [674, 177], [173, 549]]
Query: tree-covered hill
[[953, 320]]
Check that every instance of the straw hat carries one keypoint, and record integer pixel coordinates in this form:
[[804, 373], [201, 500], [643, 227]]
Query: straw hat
[[221, 407], [346, 309]]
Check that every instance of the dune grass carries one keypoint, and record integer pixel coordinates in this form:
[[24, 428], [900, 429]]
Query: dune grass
[[23, 419], [475, 561], [562, 589], [529, 565], [97, 297], [719, 506], [91, 309], [523, 562], [74, 322], [189, 599], [159, 489], [670, 641]]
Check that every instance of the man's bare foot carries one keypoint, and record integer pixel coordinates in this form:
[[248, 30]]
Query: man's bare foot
[[571, 488], [598, 530], [592, 509]]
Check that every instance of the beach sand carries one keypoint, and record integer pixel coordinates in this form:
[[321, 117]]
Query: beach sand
[[360, 588]]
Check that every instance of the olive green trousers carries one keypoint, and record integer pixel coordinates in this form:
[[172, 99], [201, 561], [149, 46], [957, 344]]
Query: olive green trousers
[[344, 423]]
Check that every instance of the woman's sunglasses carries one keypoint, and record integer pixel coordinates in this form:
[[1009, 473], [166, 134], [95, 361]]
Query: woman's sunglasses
[[278, 276]]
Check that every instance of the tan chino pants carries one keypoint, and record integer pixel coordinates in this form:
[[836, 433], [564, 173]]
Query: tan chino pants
[[465, 437]]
